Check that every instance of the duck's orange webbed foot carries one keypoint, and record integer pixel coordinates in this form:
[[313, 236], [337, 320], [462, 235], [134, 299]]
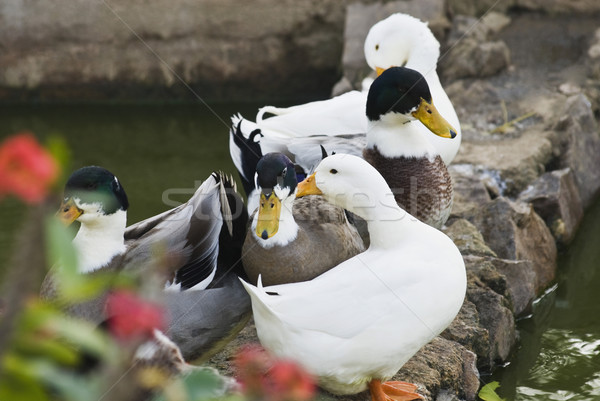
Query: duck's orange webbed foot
[[393, 391]]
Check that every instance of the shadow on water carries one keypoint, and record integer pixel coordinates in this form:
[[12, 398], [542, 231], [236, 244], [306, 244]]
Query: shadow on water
[[150, 147], [559, 353]]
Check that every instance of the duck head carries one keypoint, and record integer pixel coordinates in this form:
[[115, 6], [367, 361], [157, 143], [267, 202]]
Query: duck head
[[401, 40], [403, 93], [92, 194], [277, 182]]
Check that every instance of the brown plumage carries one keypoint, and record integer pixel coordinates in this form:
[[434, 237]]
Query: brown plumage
[[325, 239], [421, 187]]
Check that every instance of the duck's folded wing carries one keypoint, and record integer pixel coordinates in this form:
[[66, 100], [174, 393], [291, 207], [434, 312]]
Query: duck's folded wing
[[185, 239], [306, 152], [339, 115]]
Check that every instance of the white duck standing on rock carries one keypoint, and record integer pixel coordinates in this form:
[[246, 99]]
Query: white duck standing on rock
[[401, 119], [202, 242], [399, 40], [357, 324]]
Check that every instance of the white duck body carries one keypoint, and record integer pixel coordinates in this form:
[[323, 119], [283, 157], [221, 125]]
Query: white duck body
[[365, 318], [402, 41]]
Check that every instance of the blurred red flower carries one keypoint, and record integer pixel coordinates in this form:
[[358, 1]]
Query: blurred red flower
[[27, 170], [130, 317], [266, 378]]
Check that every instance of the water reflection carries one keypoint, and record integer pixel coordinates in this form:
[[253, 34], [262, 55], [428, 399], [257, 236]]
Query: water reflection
[[559, 355]]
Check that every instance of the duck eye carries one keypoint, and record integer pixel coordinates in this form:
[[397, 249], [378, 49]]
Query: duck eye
[[333, 171], [429, 111], [377, 47]]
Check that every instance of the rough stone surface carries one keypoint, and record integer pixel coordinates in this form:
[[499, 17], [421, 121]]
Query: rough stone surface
[[560, 6], [555, 197], [470, 189], [466, 330], [582, 142], [222, 49], [518, 282], [514, 231], [472, 49], [467, 238], [496, 317], [477, 7], [443, 364], [361, 17], [518, 161]]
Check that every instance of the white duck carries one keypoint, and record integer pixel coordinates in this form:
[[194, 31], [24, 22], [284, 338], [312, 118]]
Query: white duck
[[357, 324], [401, 117], [399, 40]]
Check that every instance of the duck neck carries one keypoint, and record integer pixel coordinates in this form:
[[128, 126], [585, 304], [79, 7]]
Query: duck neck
[[398, 135], [288, 228], [386, 221], [98, 241]]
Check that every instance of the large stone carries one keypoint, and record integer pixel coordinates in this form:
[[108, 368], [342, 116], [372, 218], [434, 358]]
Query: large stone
[[472, 49], [555, 197], [477, 8], [496, 317], [469, 59], [514, 231], [519, 280], [560, 6], [361, 17], [467, 238], [466, 330], [581, 138], [220, 48], [443, 365], [517, 160]]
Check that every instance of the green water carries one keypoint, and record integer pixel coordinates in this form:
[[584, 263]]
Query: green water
[[152, 148], [559, 353], [156, 148]]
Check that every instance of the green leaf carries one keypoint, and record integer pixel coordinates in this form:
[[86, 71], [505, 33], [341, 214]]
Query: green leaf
[[200, 384], [60, 250], [488, 392], [58, 148]]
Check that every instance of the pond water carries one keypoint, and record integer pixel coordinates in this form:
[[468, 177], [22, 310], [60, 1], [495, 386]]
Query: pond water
[[559, 353], [156, 147], [152, 148]]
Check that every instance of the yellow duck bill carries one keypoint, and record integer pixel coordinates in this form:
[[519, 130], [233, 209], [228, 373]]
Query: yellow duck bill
[[433, 120], [269, 210], [68, 212]]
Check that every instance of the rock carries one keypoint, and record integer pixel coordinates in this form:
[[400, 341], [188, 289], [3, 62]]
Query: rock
[[471, 187], [514, 231], [581, 138], [497, 318], [472, 51], [467, 238], [555, 197], [470, 58], [220, 49], [560, 6], [518, 161], [466, 330], [518, 280], [443, 365], [361, 17], [477, 8]]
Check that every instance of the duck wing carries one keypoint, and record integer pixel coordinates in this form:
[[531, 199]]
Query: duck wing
[[188, 235]]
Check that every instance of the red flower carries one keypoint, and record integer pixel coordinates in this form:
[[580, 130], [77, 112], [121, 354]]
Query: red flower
[[131, 317], [27, 170], [263, 377], [289, 382]]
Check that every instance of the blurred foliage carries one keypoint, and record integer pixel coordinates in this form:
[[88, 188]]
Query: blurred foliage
[[48, 354]]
